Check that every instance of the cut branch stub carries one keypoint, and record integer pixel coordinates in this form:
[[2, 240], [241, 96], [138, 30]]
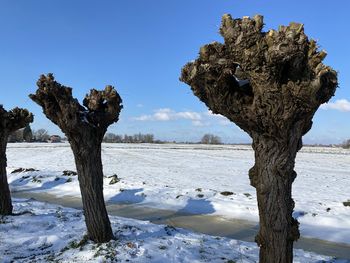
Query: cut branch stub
[[14, 119], [101, 109], [104, 106], [265, 82]]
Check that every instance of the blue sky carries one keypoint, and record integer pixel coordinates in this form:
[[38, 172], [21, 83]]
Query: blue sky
[[140, 47]]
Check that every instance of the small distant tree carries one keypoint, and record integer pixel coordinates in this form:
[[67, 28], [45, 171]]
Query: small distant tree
[[142, 138], [346, 144], [112, 138], [205, 139], [270, 84], [148, 138], [27, 134], [210, 139], [10, 121], [216, 140], [137, 138], [128, 139], [85, 127], [109, 138], [118, 139], [41, 135]]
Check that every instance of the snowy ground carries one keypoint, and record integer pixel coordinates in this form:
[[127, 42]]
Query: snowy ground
[[192, 178], [49, 233]]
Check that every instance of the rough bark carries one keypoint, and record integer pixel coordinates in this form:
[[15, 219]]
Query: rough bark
[[10, 121], [273, 175], [85, 128], [5, 195], [270, 84]]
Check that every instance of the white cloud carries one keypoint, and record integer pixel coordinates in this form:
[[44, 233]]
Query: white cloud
[[167, 114], [199, 119], [189, 115], [340, 105], [163, 115]]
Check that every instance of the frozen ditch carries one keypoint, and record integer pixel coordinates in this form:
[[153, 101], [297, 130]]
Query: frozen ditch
[[207, 224]]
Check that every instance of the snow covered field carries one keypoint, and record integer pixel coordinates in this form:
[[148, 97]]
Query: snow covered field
[[50, 233], [199, 179]]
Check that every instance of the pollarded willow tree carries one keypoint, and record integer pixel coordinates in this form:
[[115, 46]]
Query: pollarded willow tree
[[270, 84], [85, 128], [10, 121]]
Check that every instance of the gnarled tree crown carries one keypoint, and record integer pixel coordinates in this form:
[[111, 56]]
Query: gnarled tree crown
[[265, 82], [14, 119], [100, 108]]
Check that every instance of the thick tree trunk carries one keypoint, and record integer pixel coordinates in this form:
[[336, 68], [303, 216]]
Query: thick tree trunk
[[5, 196], [270, 84], [272, 176], [84, 127], [90, 174]]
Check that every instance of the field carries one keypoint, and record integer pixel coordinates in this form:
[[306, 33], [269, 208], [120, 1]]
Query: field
[[196, 179]]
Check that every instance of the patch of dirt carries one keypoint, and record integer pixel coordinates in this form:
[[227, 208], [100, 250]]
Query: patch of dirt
[[114, 179], [22, 170], [227, 193], [347, 203], [69, 173]]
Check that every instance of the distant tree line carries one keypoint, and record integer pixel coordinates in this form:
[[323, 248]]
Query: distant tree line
[[136, 138], [42, 135], [28, 135], [149, 138]]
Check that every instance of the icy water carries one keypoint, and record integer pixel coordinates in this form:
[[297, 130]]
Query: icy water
[[211, 225]]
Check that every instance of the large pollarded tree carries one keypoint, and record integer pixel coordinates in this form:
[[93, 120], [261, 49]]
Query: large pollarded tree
[[85, 127], [10, 121], [270, 84]]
